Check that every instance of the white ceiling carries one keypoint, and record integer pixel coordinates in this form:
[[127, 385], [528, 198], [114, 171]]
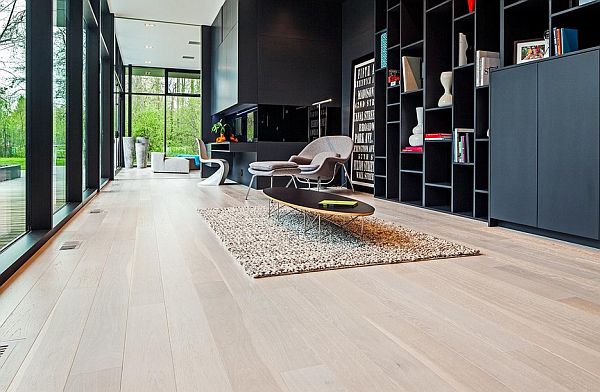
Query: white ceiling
[[164, 25]]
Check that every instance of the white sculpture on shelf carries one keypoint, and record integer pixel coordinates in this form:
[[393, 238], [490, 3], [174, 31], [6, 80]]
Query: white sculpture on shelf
[[446, 80], [416, 139], [462, 49]]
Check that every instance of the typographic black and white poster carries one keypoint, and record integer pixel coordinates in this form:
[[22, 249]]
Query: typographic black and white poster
[[363, 124]]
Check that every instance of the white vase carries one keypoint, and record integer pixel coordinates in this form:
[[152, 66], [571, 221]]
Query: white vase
[[415, 140], [446, 80], [418, 129], [462, 49], [128, 151], [141, 152]]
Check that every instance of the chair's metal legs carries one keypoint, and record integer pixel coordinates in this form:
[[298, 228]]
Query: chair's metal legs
[[250, 186], [319, 185], [271, 181], [348, 177], [292, 180]]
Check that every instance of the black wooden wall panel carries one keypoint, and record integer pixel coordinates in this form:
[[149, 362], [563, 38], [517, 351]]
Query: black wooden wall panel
[[299, 51], [358, 29], [569, 145], [513, 143]]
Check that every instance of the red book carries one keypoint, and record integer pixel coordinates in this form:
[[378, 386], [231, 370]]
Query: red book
[[437, 135]]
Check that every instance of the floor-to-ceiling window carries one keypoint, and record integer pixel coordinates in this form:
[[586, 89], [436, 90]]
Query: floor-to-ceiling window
[[44, 127], [12, 120], [184, 112], [166, 108], [59, 103]]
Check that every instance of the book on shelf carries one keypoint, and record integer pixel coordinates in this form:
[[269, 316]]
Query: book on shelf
[[461, 145], [436, 136], [411, 72], [412, 149], [565, 40], [485, 61], [393, 77]]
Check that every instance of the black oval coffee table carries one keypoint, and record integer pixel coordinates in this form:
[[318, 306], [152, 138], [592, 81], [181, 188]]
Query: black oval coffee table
[[307, 202]]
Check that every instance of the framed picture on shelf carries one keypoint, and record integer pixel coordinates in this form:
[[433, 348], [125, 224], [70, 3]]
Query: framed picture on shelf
[[531, 50]]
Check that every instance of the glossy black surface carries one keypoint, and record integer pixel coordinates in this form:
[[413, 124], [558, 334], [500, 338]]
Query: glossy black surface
[[310, 199]]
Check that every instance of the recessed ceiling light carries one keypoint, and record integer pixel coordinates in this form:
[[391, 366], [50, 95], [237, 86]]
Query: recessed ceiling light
[[149, 47], [147, 62], [149, 24]]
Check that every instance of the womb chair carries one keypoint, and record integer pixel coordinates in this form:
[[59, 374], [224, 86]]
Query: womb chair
[[321, 160], [221, 174]]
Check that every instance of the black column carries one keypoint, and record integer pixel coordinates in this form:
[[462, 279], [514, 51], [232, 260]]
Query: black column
[[74, 100], [206, 82], [93, 108], [39, 114]]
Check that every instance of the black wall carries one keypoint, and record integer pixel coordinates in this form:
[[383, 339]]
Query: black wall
[[281, 52], [358, 30], [299, 51]]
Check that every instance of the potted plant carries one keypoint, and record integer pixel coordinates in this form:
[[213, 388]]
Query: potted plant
[[221, 129]]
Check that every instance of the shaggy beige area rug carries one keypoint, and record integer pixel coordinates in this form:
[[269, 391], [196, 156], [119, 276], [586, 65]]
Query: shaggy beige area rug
[[267, 246]]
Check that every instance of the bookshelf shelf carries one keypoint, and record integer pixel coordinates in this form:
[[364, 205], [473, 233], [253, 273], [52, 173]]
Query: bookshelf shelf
[[417, 44], [464, 17], [411, 171], [464, 67], [429, 29], [572, 9], [419, 91], [445, 185], [437, 109]]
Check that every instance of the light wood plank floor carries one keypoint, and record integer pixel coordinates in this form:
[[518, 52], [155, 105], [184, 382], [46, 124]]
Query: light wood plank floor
[[152, 302]]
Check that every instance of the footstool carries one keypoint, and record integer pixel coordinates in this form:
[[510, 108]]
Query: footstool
[[273, 169]]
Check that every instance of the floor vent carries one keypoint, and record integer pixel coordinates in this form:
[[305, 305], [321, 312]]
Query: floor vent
[[96, 211], [5, 349], [70, 245]]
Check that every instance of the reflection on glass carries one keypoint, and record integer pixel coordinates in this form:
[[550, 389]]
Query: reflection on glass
[[148, 81], [12, 120], [184, 83], [60, 104], [183, 124]]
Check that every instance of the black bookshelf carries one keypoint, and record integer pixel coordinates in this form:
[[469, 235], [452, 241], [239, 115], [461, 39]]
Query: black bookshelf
[[429, 29]]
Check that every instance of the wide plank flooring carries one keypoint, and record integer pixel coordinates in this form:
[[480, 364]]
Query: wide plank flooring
[[152, 302]]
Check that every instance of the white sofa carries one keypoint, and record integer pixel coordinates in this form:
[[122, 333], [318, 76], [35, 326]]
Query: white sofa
[[162, 164]]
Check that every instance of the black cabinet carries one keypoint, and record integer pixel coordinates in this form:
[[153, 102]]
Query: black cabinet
[[568, 140], [513, 185], [545, 145]]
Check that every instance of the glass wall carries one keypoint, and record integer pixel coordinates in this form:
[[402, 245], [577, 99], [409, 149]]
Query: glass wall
[[40, 118], [166, 108], [148, 119], [13, 168], [183, 124], [60, 103]]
